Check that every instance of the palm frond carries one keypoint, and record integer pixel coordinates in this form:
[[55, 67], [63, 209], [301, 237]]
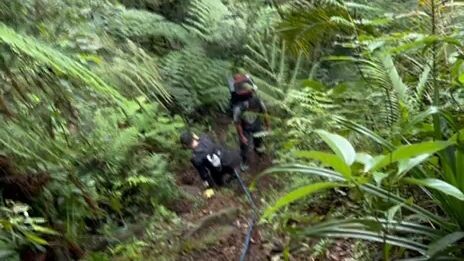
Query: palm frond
[[368, 188], [272, 68], [316, 22]]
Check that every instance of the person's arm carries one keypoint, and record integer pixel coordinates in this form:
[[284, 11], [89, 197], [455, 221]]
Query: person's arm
[[267, 121], [240, 132], [238, 124], [267, 118]]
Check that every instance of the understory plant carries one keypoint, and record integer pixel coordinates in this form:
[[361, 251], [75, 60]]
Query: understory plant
[[394, 186]]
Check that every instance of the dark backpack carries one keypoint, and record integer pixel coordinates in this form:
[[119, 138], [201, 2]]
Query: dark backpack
[[209, 152], [237, 94]]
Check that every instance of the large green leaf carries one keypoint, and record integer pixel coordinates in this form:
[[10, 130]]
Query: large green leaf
[[404, 242], [35, 239], [421, 117], [369, 188], [439, 185], [365, 131], [365, 229], [366, 159], [44, 230], [391, 212], [461, 78], [339, 145], [444, 242], [380, 224], [328, 159], [298, 194], [396, 81], [407, 152], [406, 165]]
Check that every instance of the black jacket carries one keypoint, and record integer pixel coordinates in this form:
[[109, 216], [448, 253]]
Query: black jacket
[[229, 159]]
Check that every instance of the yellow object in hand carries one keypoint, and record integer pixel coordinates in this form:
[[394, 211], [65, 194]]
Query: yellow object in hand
[[208, 193]]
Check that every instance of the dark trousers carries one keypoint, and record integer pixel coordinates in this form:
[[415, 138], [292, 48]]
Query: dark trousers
[[248, 131], [218, 176]]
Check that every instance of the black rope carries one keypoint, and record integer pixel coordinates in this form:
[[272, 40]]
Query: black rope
[[251, 223], [247, 193], [246, 244]]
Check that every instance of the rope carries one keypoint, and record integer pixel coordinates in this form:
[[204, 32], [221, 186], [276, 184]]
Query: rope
[[252, 222], [247, 193], [246, 243]]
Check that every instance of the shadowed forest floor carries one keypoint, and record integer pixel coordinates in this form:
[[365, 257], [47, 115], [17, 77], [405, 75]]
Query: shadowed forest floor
[[229, 244], [215, 229], [226, 242], [221, 236]]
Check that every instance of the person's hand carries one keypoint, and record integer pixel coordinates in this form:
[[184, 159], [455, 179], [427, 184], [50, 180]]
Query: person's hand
[[205, 184], [208, 193], [244, 140]]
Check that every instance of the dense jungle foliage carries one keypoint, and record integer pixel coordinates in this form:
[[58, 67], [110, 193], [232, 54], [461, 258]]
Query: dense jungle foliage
[[366, 101]]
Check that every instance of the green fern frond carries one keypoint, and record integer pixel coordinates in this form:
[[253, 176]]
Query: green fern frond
[[313, 3], [225, 24], [313, 23], [29, 142], [136, 73], [140, 24], [192, 73], [205, 17], [61, 63]]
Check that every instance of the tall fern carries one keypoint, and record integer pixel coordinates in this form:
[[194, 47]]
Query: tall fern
[[59, 62], [273, 69], [136, 73], [140, 25], [312, 23], [225, 25], [195, 80], [205, 16]]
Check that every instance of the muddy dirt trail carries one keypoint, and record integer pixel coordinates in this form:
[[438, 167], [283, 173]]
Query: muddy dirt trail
[[220, 224], [222, 221], [227, 236]]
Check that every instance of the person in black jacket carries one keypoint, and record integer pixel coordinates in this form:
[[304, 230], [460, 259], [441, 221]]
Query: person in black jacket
[[211, 160]]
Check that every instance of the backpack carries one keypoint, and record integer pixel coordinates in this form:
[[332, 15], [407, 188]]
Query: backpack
[[208, 152], [236, 85], [214, 159]]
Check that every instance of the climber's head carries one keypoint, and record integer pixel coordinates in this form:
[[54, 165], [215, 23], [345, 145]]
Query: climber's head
[[188, 139]]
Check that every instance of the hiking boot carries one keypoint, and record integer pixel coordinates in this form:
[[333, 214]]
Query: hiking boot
[[244, 167]]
